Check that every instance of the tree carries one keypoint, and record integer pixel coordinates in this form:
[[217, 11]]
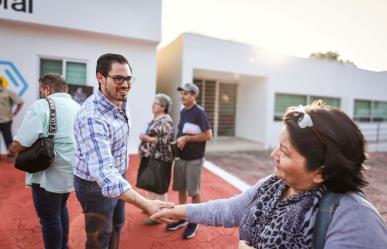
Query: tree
[[330, 56]]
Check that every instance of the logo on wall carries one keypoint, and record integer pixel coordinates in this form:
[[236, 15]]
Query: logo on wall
[[12, 78]]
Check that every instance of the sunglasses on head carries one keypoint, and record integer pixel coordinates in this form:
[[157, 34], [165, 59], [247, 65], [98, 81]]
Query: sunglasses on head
[[305, 120]]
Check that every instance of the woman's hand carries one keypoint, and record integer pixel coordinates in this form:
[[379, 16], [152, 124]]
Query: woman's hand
[[170, 215], [244, 245], [146, 138], [143, 137], [153, 206]]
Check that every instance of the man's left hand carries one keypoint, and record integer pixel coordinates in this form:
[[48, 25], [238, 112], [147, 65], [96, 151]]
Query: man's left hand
[[181, 141]]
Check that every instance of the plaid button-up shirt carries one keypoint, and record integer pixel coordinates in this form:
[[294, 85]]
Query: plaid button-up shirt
[[101, 133]]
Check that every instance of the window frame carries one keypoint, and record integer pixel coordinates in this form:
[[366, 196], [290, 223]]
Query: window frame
[[279, 117], [372, 118], [64, 62], [308, 98]]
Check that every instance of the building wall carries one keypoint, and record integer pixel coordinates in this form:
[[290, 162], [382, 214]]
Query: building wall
[[251, 109], [212, 55], [270, 73], [169, 74], [135, 19], [330, 79], [24, 44]]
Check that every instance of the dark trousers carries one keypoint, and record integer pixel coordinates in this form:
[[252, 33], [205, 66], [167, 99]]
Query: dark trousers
[[53, 215], [5, 129], [104, 217]]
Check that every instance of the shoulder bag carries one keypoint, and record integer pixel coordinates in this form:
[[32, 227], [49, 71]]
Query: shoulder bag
[[41, 154]]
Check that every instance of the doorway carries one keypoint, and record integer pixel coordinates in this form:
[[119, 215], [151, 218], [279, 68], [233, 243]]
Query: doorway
[[218, 99]]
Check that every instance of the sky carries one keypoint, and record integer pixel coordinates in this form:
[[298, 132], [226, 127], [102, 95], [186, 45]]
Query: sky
[[356, 29]]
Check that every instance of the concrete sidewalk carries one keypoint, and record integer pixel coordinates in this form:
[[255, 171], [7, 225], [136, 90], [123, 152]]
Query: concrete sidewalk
[[19, 226]]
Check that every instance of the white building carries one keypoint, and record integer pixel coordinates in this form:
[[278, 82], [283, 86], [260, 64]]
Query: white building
[[245, 89], [67, 37]]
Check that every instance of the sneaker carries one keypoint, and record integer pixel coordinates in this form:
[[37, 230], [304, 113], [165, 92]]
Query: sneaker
[[174, 226], [190, 230]]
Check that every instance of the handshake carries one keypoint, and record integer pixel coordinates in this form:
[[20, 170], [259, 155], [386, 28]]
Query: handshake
[[167, 212], [170, 213]]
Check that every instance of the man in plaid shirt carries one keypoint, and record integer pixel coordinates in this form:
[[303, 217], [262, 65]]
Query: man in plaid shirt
[[101, 158]]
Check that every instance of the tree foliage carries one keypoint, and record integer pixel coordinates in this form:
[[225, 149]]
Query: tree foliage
[[330, 56]]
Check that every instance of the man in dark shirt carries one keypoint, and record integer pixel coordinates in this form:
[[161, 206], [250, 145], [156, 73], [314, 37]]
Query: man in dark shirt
[[193, 132]]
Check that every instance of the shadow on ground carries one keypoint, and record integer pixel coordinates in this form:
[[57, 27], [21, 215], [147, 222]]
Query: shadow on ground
[[19, 227]]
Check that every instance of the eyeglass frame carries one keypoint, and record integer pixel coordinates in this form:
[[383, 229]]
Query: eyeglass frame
[[128, 79]]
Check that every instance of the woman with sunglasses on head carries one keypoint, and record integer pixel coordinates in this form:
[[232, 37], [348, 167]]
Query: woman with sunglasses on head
[[321, 153]]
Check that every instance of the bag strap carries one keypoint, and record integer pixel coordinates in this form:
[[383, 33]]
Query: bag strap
[[327, 206], [52, 117], [360, 197]]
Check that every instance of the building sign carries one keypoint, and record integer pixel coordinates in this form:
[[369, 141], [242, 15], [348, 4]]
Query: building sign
[[25, 6], [12, 78]]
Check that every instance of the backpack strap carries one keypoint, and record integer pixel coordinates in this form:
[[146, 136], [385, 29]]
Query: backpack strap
[[52, 117], [327, 206], [360, 197]]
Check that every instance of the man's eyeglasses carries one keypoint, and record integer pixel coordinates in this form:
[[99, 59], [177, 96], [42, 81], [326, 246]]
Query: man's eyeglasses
[[119, 80]]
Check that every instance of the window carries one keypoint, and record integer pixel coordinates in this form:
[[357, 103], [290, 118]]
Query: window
[[76, 73], [370, 111], [335, 102], [73, 72], [362, 110], [283, 101], [379, 111], [50, 66]]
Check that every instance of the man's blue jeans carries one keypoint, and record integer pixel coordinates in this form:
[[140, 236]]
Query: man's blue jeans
[[53, 215], [104, 216]]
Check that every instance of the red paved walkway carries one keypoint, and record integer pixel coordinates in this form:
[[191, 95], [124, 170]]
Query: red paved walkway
[[19, 227]]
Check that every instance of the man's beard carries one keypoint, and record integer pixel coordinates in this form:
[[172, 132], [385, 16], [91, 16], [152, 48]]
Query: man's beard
[[116, 94]]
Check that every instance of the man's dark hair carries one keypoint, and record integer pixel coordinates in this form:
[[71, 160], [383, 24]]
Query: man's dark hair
[[104, 63], [333, 141], [55, 81]]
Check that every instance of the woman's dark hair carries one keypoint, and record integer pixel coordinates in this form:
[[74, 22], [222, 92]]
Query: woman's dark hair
[[104, 63], [55, 81], [333, 141]]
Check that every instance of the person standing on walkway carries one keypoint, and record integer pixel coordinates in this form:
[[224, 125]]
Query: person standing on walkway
[[8, 99], [51, 187], [193, 132], [155, 143], [101, 156]]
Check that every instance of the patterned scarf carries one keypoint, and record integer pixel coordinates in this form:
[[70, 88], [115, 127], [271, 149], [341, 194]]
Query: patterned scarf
[[275, 222]]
